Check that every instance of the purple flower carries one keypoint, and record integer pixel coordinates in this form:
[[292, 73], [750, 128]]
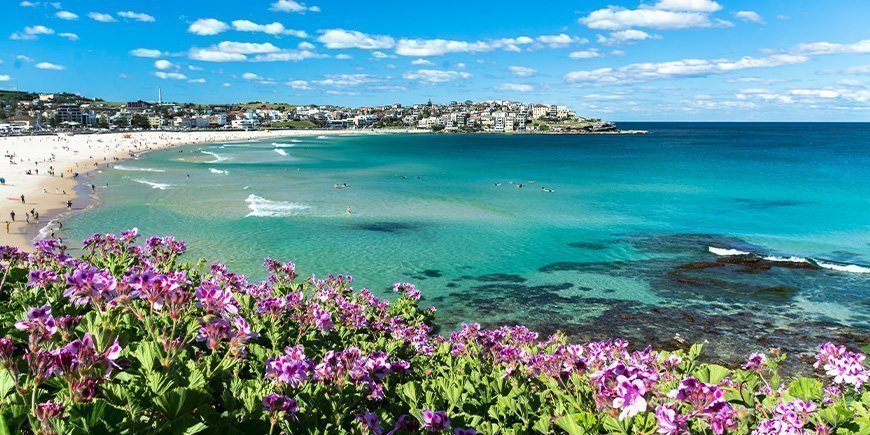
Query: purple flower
[[211, 298], [49, 410], [630, 397], [323, 319], [370, 423], [670, 422], [435, 421], [843, 366], [7, 347], [274, 403], [461, 431], [41, 278], [755, 362], [405, 423], [292, 368], [89, 284], [40, 323], [214, 332], [407, 289]]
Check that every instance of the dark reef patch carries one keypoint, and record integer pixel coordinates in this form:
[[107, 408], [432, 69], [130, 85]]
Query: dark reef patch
[[500, 277], [386, 227], [590, 246], [768, 203]]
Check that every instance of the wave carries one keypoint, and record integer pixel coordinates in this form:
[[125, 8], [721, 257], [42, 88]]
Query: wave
[[217, 171], [262, 207], [323, 137], [161, 186], [280, 151], [132, 168], [824, 264], [726, 252], [218, 157], [283, 145], [295, 141], [841, 267]]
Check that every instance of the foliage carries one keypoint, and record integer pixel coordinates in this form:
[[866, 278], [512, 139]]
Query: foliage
[[128, 339]]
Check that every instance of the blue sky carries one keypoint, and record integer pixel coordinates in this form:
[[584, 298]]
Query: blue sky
[[620, 60]]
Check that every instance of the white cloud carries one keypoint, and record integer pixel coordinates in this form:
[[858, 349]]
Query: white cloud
[[246, 47], [343, 56], [286, 56], [24, 58], [749, 16], [618, 18], [346, 80], [585, 54], [522, 71], [208, 26], [103, 18], [170, 76], [196, 81], [642, 72], [194, 68], [163, 64], [624, 37], [31, 32], [251, 76], [275, 28], [381, 55], [514, 87], [301, 85], [70, 36], [66, 15], [213, 55], [340, 38], [857, 70], [305, 45], [5, 78], [146, 52], [440, 47], [435, 76], [292, 6], [559, 41], [138, 16], [688, 5], [50, 66], [27, 4], [422, 62], [814, 48]]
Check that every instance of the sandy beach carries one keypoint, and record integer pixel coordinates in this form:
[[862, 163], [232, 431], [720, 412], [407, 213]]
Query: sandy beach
[[42, 170]]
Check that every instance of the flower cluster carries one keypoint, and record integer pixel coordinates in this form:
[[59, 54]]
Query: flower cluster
[[843, 366]]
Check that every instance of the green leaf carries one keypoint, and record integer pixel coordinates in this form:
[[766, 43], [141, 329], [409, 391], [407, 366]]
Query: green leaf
[[181, 401], [7, 382], [806, 389], [11, 418], [712, 373]]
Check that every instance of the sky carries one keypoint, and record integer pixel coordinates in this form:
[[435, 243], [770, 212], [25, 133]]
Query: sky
[[662, 60]]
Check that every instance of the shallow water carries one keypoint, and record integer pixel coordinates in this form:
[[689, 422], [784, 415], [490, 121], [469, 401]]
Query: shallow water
[[608, 252]]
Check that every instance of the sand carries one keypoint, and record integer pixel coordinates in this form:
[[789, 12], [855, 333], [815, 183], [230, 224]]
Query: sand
[[48, 157]]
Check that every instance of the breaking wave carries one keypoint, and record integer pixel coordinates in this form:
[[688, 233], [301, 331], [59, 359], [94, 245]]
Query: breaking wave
[[133, 168], [154, 185], [824, 264], [262, 207], [280, 151], [217, 171]]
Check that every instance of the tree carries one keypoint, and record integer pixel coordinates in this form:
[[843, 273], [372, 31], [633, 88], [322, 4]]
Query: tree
[[437, 127], [140, 121]]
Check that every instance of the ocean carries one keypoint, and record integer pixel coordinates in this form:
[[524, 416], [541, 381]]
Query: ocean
[[595, 235]]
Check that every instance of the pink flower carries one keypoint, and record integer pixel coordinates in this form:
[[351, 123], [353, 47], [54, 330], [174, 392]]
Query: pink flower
[[630, 396], [211, 298]]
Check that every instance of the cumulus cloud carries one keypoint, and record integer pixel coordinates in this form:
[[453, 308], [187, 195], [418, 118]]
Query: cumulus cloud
[[585, 54], [522, 71], [435, 76], [147, 53], [137, 16], [688, 5], [208, 26], [422, 62], [251, 76], [292, 6], [626, 36], [24, 58], [749, 16], [229, 51], [857, 70], [275, 28], [346, 80], [514, 87], [559, 41], [164, 64], [50, 66], [301, 85], [440, 47], [70, 36], [196, 80], [103, 18], [643, 72], [170, 76], [5, 78], [305, 45], [816, 48], [31, 32], [340, 38], [66, 15]]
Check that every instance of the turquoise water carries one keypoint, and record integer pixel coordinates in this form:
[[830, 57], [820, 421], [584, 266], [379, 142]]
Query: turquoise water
[[609, 249]]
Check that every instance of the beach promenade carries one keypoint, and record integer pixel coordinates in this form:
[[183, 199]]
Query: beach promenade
[[42, 170]]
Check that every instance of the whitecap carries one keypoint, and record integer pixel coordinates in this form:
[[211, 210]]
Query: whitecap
[[133, 168], [217, 171], [218, 157], [726, 252], [283, 145], [295, 141], [786, 259], [323, 137], [161, 186], [280, 151], [262, 207], [851, 268]]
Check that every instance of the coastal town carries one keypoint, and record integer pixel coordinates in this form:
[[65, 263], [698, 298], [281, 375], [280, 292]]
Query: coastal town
[[28, 113]]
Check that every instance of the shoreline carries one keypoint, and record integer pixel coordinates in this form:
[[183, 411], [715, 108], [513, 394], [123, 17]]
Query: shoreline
[[87, 155]]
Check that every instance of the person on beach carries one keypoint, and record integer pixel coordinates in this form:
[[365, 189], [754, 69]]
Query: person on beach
[[68, 207], [22, 199], [36, 216], [27, 218], [7, 227], [12, 214]]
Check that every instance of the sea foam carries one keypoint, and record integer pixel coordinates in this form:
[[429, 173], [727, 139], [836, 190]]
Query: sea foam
[[217, 171], [133, 168], [262, 207], [280, 151], [851, 268], [218, 157], [154, 185], [726, 252], [824, 264]]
